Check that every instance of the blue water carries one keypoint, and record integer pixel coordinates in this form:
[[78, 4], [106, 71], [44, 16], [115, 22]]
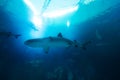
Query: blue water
[[98, 22]]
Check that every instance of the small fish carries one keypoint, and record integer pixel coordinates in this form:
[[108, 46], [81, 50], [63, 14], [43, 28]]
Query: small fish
[[9, 34]]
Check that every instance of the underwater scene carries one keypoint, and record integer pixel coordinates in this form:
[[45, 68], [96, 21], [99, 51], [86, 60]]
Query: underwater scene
[[59, 39]]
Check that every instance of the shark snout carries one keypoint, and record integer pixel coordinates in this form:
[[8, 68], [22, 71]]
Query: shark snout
[[27, 42]]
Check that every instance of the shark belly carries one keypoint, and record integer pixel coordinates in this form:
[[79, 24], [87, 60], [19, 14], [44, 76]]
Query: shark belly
[[47, 43], [58, 44]]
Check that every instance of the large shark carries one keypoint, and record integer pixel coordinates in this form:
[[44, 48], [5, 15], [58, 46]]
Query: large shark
[[58, 41]]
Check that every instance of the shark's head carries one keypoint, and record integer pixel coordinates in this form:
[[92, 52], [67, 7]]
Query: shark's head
[[31, 42], [28, 42]]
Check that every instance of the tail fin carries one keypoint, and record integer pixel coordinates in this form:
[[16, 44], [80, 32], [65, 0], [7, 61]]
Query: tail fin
[[16, 36], [83, 46]]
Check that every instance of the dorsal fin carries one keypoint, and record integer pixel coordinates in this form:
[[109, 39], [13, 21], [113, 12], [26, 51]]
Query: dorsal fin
[[60, 35]]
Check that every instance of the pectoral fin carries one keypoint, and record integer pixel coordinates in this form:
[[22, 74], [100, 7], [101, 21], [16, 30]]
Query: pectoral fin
[[46, 49]]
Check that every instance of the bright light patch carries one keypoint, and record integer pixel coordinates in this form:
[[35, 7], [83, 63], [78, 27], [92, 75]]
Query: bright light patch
[[60, 12], [31, 6], [88, 1], [68, 23], [37, 22]]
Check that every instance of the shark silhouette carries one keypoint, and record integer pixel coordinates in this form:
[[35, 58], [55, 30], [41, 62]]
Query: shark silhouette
[[58, 41], [9, 34]]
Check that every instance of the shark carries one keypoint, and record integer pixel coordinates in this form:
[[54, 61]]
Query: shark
[[9, 34], [58, 41]]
